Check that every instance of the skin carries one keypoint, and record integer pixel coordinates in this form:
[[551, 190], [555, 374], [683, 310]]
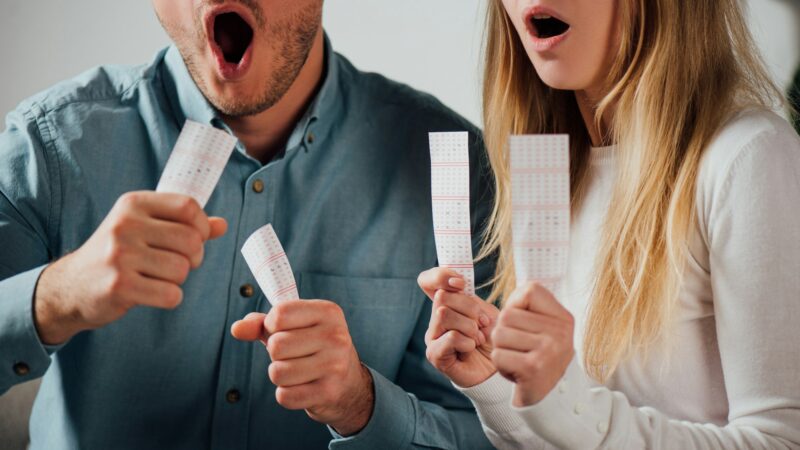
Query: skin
[[579, 63], [263, 106], [531, 340], [143, 250]]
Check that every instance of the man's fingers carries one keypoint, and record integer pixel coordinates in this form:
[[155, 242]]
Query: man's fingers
[[177, 237], [171, 207], [297, 314], [296, 371], [437, 278], [218, 226], [146, 291], [163, 265], [535, 297], [250, 328], [303, 396], [295, 343]]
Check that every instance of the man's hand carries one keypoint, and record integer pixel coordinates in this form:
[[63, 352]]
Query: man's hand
[[533, 343], [458, 336], [139, 256], [314, 363]]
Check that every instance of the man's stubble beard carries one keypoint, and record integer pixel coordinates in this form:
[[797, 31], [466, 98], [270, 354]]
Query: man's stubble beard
[[294, 37]]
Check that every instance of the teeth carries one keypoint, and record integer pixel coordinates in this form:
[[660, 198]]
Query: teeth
[[542, 16]]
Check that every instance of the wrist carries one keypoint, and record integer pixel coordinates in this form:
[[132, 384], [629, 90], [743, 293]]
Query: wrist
[[360, 409], [54, 323]]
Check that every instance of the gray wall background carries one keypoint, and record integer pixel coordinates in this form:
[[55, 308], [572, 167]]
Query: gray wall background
[[432, 45]]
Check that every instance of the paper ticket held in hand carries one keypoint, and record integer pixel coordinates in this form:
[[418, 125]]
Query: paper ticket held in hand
[[540, 203], [450, 198], [267, 261], [197, 161]]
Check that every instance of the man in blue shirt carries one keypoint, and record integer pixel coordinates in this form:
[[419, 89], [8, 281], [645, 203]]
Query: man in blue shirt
[[123, 298]]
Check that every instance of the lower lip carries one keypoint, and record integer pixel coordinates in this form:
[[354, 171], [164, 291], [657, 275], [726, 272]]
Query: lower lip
[[231, 71], [548, 44]]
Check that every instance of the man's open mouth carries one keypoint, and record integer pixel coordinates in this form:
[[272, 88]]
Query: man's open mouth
[[233, 35], [544, 26]]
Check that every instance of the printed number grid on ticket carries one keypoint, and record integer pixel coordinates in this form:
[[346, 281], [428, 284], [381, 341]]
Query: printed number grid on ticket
[[267, 261], [197, 161], [540, 200], [450, 200]]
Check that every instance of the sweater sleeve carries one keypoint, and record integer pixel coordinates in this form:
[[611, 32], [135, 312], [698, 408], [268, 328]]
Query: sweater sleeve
[[752, 228]]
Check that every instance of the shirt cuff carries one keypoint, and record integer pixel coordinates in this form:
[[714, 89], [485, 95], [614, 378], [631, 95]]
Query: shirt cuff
[[491, 399], [23, 357], [392, 422], [570, 416]]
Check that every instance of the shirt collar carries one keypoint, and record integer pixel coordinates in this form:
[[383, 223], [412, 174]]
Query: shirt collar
[[189, 102]]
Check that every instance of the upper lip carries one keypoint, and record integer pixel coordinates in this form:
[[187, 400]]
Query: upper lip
[[215, 11], [536, 10]]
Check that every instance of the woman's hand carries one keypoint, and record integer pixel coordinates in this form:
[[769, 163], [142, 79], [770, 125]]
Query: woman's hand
[[458, 336], [533, 343]]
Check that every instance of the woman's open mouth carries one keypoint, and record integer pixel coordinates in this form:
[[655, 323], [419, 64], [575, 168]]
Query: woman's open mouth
[[546, 29], [231, 40]]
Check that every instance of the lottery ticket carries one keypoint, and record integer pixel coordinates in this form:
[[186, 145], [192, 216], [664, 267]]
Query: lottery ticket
[[197, 161], [450, 200], [267, 261], [540, 196]]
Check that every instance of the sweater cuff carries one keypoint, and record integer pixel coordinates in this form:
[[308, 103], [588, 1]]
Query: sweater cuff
[[570, 416], [491, 399], [391, 424], [22, 355]]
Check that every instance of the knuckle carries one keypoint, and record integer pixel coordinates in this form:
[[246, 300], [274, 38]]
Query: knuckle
[[129, 200], [173, 297], [184, 267], [284, 398], [280, 315], [443, 313], [276, 372], [275, 346], [187, 208]]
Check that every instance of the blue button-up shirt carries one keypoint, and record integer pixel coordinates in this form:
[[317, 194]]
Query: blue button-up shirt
[[350, 200]]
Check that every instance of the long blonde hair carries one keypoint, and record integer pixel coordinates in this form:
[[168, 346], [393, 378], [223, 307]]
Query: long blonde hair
[[679, 74]]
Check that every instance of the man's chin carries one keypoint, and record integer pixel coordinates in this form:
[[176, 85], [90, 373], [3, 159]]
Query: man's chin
[[240, 104]]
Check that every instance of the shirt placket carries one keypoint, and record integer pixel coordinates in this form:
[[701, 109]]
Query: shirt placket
[[233, 400]]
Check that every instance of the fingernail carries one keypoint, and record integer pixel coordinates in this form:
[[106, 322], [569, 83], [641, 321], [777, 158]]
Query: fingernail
[[454, 282], [484, 320]]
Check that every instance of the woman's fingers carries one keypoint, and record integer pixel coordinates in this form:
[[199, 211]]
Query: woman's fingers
[[438, 278], [446, 319]]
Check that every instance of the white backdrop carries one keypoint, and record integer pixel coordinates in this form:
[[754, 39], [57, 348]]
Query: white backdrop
[[432, 45]]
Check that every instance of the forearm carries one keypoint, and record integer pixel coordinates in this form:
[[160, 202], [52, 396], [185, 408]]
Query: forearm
[[400, 420], [23, 357]]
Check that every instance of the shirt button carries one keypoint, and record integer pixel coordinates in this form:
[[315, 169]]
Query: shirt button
[[562, 387], [310, 137], [602, 427], [579, 407], [246, 290], [21, 369], [233, 396], [258, 186]]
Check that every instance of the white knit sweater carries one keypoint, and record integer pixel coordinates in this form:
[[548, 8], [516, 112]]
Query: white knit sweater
[[731, 379]]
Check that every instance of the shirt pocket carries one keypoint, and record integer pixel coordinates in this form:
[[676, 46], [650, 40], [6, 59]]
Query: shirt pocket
[[381, 313]]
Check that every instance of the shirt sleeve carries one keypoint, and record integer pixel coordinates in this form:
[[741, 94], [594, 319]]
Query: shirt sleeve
[[27, 186], [753, 234], [420, 408]]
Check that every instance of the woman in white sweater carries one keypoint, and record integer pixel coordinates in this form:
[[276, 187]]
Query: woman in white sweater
[[677, 325]]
